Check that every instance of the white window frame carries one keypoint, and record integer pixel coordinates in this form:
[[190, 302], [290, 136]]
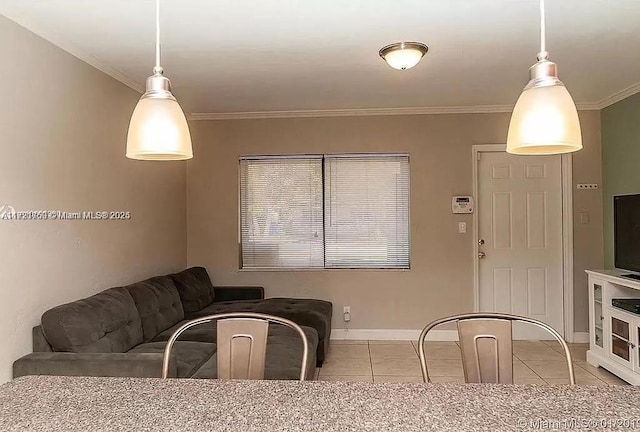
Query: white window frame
[[323, 157]]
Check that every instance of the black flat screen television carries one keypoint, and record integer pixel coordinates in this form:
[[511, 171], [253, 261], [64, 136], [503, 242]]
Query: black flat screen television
[[626, 209]]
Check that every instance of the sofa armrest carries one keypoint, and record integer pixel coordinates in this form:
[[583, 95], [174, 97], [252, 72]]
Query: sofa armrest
[[233, 293], [140, 365]]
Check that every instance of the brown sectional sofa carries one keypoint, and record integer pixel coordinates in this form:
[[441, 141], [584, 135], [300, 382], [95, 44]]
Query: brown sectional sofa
[[123, 331]]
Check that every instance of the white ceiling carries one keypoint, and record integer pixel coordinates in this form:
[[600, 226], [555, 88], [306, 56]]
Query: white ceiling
[[289, 55]]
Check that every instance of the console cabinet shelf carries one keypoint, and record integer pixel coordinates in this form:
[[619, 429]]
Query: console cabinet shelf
[[614, 334]]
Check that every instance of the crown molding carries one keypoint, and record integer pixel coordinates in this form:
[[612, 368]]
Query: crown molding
[[352, 112], [479, 109], [75, 51], [617, 97], [588, 106], [139, 87]]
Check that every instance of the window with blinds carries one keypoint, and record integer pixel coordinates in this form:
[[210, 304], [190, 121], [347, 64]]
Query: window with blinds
[[337, 211], [366, 211], [281, 212]]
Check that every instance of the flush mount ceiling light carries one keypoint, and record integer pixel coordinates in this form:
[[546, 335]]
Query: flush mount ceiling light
[[158, 128], [545, 119], [403, 55]]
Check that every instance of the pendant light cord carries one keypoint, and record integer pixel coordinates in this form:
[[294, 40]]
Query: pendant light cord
[[543, 34], [158, 68]]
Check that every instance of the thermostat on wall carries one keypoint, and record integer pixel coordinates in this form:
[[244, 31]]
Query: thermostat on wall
[[462, 204]]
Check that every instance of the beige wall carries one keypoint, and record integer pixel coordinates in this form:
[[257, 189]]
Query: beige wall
[[440, 281], [63, 128], [588, 245]]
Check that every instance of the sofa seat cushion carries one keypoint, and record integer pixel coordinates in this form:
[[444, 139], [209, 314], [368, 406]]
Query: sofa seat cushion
[[322, 306], [107, 322], [208, 332], [189, 356], [158, 303], [284, 355], [201, 333], [194, 287], [306, 312]]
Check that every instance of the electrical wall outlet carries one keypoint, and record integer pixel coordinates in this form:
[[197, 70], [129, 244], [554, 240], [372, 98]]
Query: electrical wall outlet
[[346, 311], [462, 227], [587, 186]]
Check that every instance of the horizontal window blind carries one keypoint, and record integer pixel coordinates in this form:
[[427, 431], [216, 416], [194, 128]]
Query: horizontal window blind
[[281, 212], [366, 211]]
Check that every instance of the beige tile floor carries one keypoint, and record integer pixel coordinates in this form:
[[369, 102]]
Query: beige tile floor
[[534, 362]]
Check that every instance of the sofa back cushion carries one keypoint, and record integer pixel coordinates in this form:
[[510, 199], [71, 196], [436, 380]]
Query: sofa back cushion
[[194, 287], [158, 303], [107, 322]]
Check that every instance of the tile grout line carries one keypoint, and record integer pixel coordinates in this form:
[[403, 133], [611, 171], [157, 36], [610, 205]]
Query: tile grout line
[[558, 349], [529, 367], [576, 365], [524, 362], [373, 377]]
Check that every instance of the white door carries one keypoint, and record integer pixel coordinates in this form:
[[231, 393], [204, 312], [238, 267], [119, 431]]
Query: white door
[[520, 239]]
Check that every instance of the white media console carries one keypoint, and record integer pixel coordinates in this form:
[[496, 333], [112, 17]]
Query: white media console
[[614, 333]]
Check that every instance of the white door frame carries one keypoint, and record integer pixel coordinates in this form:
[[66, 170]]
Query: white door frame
[[567, 233]]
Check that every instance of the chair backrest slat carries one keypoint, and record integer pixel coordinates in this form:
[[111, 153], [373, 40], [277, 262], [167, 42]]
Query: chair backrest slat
[[486, 343], [242, 348], [242, 344], [486, 346]]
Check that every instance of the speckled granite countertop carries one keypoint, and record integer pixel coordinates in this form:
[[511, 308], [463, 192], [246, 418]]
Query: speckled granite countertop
[[49, 403]]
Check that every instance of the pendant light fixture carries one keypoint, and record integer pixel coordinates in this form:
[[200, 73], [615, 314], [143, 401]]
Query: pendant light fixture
[[403, 55], [545, 119], [158, 129]]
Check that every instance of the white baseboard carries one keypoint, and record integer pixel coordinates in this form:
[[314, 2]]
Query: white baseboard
[[581, 337], [595, 358], [392, 334], [395, 334]]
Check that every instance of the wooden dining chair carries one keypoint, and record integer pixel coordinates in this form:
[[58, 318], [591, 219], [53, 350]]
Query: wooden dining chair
[[486, 344], [242, 344]]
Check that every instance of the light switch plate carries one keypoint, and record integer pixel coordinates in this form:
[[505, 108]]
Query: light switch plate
[[584, 218]]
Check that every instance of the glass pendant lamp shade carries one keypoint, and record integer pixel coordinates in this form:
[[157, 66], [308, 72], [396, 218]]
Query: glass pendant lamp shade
[[545, 118], [158, 131], [544, 121]]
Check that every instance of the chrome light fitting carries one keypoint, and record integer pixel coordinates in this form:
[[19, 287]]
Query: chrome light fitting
[[545, 119], [158, 129], [403, 55]]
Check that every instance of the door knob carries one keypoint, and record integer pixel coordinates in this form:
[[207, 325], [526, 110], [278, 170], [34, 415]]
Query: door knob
[[481, 242], [481, 255]]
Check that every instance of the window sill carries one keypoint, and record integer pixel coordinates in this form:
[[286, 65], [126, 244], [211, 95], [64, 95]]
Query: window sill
[[351, 269]]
